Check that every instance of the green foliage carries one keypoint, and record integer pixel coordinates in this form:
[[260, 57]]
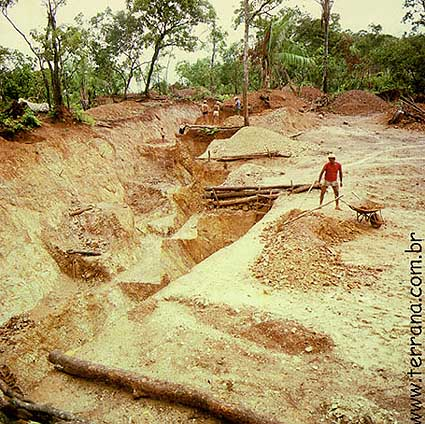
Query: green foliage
[[9, 126], [170, 24], [415, 13], [117, 43], [210, 131], [29, 120], [17, 76], [83, 117], [107, 54], [195, 74]]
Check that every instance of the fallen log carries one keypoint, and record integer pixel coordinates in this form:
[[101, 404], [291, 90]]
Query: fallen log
[[232, 202], [145, 386], [236, 188], [238, 127], [303, 188], [83, 252], [413, 105], [245, 193], [415, 116], [80, 211], [252, 156], [15, 406], [296, 134]]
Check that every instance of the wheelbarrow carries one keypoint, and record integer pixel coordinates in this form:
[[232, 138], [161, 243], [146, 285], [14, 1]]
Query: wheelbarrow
[[368, 211]]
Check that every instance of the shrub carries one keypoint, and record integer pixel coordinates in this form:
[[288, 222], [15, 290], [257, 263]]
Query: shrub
[[10, 126]]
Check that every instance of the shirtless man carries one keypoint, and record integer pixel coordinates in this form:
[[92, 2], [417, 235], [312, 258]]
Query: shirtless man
[[331, 170], [216, 112], [205, 110]]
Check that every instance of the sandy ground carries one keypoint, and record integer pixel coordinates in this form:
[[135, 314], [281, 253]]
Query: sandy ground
[[306, 322]]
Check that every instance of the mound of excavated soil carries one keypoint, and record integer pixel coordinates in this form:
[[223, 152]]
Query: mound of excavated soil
[[310, 93], [302, 254], [358, 102], [269, 99], [250, 140]]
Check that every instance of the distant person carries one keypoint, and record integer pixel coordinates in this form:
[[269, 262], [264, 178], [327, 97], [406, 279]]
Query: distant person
[[238, 105], [205, 110], [216, 112], [331, 170]]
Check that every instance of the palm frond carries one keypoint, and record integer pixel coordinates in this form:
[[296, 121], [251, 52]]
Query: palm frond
[[295, 59]]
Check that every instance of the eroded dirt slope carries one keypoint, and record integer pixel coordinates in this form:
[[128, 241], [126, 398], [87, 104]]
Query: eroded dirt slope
[[304, 322]]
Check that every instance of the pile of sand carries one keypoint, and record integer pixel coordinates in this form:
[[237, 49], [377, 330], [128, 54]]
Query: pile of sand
[[358, 102], [285, 120], [303, 255], [250, 140]]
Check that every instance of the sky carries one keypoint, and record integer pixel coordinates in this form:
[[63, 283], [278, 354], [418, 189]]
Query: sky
[[355, 15]]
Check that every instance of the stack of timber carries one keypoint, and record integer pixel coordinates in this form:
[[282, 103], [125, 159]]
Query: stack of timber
[[250, 197]]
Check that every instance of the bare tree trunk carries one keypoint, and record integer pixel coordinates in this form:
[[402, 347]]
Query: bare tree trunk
[[152, 66], [265, 60], [245, 65], [326, 17], [212, 61], [58, 104], [326, 59], [15, 406]]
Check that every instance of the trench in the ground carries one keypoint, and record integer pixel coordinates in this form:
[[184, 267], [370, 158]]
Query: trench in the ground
[[172, 250], [175, 231]]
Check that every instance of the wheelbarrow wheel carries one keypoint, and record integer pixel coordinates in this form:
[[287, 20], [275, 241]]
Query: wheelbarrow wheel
[[375, 220]]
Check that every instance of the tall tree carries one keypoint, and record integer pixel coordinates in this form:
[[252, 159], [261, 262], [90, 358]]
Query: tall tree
[[217, 40], [4, 7], [17, 75], [53, 53], [248, 12], [415, 13], [326, 6], [47, 49], [169, 23], [276, 49], [120, 38]]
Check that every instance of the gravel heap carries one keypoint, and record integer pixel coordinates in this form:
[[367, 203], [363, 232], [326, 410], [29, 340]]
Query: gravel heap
[[304, 255]]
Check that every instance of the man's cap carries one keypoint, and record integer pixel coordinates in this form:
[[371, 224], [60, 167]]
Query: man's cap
[[331, 156]]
